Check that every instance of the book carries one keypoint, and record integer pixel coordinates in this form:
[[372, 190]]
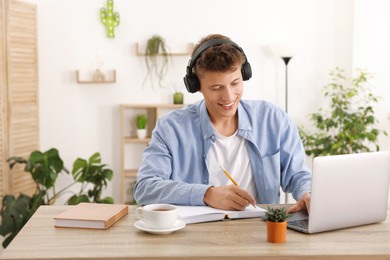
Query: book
[[198, 214], [91, 216]]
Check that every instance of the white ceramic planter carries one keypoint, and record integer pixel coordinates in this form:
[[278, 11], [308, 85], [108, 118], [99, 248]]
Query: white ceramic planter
[[141, 133]]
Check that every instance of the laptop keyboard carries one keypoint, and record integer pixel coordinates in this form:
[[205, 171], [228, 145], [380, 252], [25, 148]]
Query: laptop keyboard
[[304, 224]]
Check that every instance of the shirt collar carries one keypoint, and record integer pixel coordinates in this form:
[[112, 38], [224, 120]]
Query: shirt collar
[[208, 131]]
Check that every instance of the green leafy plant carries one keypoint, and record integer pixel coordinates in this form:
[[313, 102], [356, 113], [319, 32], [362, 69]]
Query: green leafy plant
[[349, 125], [156, 68], [276, 214], [44, 168], [142, 121]]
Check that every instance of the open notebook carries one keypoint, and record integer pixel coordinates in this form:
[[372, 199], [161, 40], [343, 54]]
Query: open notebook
[[197, 214]]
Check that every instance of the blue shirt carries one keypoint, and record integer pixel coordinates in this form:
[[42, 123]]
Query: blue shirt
[[173, 169]]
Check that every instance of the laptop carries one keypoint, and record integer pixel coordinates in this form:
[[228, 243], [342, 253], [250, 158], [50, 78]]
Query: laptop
[[347, 190]]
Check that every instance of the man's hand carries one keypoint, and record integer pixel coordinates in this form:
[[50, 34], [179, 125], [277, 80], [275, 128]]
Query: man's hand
[[229, 197], [302, 204]]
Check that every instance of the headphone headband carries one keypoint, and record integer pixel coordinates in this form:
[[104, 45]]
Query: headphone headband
[[208, 44], [191, 81]]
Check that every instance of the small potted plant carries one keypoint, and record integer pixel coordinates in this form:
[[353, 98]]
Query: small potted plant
[[276, 224], [142, 121], [178, 96]]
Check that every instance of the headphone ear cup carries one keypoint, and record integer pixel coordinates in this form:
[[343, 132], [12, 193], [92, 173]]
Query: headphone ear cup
[[246, 71], [192, 83]]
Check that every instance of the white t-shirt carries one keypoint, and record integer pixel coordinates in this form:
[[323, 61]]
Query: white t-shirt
[[232, 154]]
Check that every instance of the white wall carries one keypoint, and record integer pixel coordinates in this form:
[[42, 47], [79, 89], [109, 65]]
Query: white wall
[[371, 51], [82, 119]]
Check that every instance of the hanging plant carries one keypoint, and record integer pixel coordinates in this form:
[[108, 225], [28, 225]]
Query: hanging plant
[[156, 58]]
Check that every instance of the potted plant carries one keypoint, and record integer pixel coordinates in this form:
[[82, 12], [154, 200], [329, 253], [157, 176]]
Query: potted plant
[[276, 224], [178, 96], [156, 68], [348, 125], [142, 121], [44, 168]]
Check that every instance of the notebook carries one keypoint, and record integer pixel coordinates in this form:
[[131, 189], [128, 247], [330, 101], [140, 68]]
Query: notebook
[[347, 190], [198, 214], [91, 215]]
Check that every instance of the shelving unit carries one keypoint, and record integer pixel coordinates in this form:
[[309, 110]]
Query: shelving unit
[[185, 53], [90, 79], [132, 147]]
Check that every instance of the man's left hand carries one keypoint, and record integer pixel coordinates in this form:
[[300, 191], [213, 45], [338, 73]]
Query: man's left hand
[[302, 204]]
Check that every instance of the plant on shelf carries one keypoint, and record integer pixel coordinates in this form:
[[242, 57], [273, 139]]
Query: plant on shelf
[[276, 224], [45, 167], [349, 124], [178, 95], [142, 121], [156, 58]]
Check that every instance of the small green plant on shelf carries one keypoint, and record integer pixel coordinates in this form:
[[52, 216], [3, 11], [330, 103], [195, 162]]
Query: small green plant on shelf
[[178, 96], [276, 214], [45, 167], [142, 121], [348, 125]]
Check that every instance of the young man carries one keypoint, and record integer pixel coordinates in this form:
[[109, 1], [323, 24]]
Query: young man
[[253, 140]]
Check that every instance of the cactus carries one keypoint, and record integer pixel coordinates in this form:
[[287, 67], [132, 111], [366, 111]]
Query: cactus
[[109, 18]]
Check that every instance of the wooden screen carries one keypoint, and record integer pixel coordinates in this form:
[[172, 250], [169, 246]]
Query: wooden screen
[[22, 91], [3, 102]]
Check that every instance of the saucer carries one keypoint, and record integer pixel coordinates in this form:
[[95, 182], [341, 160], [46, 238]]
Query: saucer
[[142, 226]]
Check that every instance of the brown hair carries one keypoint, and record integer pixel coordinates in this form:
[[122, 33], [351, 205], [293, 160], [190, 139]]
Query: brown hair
[[219, 58]]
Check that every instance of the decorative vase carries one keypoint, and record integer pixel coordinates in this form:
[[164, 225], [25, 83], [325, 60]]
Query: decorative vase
[[276, 232], [98, 76], [178, 98], [141, 133]]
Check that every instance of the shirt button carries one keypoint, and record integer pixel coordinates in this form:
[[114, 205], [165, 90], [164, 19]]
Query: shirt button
[[205, 181]]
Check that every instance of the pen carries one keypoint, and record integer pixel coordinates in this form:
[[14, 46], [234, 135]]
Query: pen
[[231, 178]]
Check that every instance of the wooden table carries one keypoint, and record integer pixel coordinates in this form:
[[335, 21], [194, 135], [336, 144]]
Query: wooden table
[[231, 239]]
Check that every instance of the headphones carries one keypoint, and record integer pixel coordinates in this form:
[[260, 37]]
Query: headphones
[[191, 81]]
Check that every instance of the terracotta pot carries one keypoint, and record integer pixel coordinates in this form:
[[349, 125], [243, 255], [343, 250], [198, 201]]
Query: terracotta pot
[[276, 232]]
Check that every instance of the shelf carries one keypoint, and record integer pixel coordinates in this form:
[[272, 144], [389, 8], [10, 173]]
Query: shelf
[[136, 140], [97, 77], [186, 53], [131, 173], [153, 106]]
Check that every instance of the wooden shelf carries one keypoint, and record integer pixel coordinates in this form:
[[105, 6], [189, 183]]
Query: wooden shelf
[[136, 140], [186, 53], [131, 173], [91, 80]]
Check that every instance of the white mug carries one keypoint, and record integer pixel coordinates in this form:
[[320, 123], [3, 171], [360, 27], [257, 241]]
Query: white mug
[[158, 216]]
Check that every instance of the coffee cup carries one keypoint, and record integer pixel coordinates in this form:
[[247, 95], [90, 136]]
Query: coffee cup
[[157, 216]]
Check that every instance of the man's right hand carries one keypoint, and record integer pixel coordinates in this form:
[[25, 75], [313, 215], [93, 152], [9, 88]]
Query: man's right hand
[[229, 197]]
